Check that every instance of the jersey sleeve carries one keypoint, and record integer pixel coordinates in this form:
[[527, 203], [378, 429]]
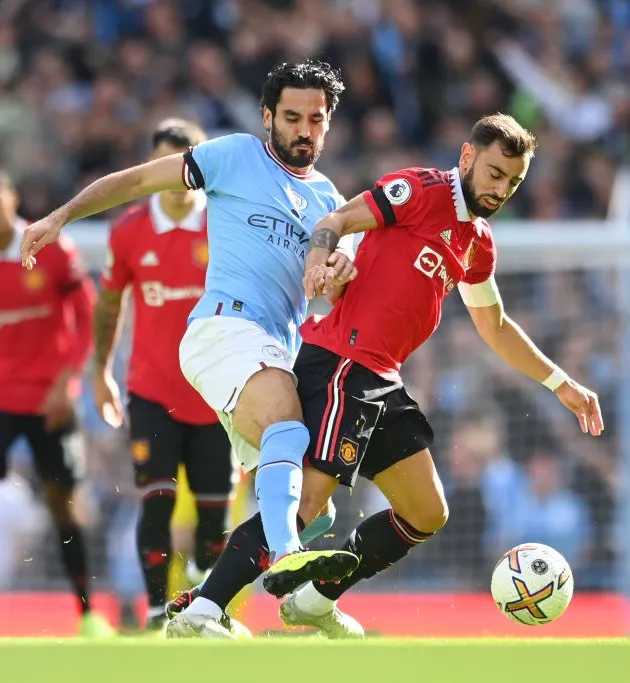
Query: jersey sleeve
[[116, 274], [395, 198], [72, 272], [206, 163]]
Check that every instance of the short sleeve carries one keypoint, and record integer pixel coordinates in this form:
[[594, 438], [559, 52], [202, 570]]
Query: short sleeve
[[71, 269], [482, 257], [116, 274], [395, 197], [206, 163]]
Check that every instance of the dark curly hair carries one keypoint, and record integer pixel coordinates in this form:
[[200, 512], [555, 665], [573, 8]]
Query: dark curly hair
[[310, 73]]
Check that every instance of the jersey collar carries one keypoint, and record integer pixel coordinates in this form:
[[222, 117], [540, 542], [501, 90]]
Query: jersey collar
[[273, 155], [13, 252], [463, 215], [193, 221]]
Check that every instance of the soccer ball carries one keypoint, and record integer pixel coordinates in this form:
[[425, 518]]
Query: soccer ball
[[532, 584]]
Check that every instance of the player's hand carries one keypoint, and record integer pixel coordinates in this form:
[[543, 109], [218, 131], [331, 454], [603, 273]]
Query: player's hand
[[345, 270], [318, 280], [107, 399], [322, 279], [37, 236], [584, 404], [58, 406]]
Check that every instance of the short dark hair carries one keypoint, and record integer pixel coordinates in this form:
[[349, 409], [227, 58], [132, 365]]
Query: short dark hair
[[310, 73], [515, 141], [177, 133]]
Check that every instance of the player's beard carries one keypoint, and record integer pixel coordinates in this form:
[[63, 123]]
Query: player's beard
[[473, 202], [289, 155]]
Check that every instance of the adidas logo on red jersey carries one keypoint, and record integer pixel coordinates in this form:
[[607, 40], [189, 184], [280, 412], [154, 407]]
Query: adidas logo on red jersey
[[150, 259], [446, 236]]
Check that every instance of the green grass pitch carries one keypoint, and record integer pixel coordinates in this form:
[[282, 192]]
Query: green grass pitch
[[309, 660]]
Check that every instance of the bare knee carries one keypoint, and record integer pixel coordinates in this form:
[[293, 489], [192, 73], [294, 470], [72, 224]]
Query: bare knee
[[427, 517]]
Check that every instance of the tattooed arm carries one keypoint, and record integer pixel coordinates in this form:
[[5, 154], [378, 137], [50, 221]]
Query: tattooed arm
[[319, 272], [107, 318]]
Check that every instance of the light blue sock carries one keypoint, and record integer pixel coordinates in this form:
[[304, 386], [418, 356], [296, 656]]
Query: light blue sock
[[317, 527], [279, 484]]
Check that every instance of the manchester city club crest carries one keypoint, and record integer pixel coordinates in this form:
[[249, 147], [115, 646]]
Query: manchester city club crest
[[299, 202]]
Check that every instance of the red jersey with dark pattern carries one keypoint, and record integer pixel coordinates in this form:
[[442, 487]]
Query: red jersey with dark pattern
[[165, 266], [426, 243], [45, 322]]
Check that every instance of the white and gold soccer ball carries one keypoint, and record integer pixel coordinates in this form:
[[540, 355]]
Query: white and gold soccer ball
[[532, 584]]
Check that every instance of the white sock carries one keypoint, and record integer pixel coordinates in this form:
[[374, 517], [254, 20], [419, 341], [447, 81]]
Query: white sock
[[156, 612], [310, 600], [205, 607]]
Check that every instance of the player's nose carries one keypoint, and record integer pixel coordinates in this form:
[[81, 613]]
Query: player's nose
[[502, 189]]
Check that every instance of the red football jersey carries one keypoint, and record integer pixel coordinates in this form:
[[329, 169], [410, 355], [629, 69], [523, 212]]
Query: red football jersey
[[165, 265], [425, 244], [39, 331]]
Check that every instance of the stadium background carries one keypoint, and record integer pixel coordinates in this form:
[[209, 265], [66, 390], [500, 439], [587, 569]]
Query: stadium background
[[81, 85]]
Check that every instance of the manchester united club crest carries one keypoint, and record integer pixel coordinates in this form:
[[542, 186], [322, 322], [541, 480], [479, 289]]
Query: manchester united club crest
[[200, 255], [470, 255], [34, 280], [348, 451], [140, 451]]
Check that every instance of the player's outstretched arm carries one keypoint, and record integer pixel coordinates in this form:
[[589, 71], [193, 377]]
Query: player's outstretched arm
[[111, 190], [319, 272], [513, 345], [107, 325]]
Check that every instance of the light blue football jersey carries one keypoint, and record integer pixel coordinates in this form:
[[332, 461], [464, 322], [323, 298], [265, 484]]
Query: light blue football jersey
[[260, 219]]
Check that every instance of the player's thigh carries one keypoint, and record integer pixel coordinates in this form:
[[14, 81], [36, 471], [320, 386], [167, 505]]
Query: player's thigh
[[400, 464], [210, 468], [10, 429], [59, 456], [242, 371], [156, 444], [414, 490], [339, 423], [268, 397]]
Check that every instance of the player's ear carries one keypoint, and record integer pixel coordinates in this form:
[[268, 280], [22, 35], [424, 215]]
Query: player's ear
[[267, 118], [467, 156]]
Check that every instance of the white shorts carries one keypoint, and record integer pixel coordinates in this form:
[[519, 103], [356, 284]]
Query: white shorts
[[217, 356]]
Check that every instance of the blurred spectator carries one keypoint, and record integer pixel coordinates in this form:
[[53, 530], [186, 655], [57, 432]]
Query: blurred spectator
[[80, 82], [546, 511]]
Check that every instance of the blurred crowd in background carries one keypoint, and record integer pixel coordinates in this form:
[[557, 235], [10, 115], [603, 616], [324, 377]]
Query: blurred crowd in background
[[82, 83]]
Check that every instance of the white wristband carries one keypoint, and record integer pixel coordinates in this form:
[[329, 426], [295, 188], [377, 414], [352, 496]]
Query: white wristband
[[555, 379]]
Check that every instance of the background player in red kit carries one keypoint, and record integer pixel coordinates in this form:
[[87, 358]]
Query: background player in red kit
[[425, 234], [45, 339], [159, 249]]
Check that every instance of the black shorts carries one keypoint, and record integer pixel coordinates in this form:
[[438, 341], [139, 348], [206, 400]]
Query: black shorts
[[359, 422], [58, 456], [159, 444]]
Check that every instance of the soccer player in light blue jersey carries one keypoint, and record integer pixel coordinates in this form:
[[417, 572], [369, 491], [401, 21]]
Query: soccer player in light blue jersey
[[264, 200]]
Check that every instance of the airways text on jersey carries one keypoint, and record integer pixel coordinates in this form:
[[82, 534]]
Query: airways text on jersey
[[281, 232]]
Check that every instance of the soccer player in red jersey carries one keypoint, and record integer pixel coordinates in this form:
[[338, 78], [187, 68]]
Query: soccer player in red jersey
[[426, 233], [159, 250], [45, 339]]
